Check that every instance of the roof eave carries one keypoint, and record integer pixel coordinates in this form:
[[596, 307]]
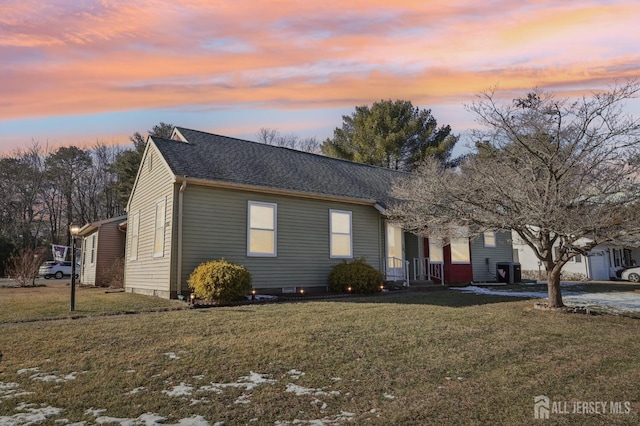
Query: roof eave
[[277, 191]]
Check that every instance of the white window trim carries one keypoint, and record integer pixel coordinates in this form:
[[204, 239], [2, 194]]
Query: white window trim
[[155, 227], [135, 233], [274, 230], [491, 235], [331, 233]]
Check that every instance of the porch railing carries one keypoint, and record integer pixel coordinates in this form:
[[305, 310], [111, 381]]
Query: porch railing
[[425, 268], [396, 269]]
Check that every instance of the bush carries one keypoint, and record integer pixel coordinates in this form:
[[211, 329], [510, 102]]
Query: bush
[[23, 265], [220, 281], [113, 275], [357, 274]]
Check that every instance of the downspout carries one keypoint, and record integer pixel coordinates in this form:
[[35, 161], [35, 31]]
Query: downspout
[[179, 266]]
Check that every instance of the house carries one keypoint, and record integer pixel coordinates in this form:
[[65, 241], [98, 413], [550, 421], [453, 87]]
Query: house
[[286, 215], [103, 245], [602, 263]]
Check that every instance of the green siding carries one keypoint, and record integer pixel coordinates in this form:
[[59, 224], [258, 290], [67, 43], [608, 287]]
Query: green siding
[[148, 274], [215, 226]]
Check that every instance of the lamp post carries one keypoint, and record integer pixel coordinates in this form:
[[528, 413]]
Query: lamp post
[[73, 230]]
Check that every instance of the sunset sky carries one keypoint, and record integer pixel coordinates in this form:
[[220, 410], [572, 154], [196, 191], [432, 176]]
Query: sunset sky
[[77, 72]]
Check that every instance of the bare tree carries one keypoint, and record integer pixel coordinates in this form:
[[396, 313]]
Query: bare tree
[[558, 172], [270, 136]]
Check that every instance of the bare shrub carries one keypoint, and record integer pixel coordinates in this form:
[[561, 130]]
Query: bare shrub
[[113, 275], [23, 266]]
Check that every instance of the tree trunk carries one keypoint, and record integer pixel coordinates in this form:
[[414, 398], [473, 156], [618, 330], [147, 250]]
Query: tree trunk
[[553, 285]]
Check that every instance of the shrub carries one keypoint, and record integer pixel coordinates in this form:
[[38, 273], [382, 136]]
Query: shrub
[[23, 265], [220, 280], [357, 274], [113, 275]]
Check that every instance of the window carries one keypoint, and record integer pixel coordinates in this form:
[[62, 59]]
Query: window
[[460, 246], [489, 239], [341, 244], [133, 230], [435, 249], [261, 232], [93, 248], [158, 234]]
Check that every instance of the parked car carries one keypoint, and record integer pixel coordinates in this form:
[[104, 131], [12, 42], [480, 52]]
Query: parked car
[[631, 274], [56, 270]]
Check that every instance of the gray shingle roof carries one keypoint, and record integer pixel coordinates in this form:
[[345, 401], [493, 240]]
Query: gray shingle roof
[[219, 158]]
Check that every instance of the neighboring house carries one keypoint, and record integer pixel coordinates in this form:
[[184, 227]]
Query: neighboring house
[[102, 245], [286, 215], [470, 259], [603, 262]]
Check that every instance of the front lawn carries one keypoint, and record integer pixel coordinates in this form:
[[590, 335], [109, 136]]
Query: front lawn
[[422, 358]]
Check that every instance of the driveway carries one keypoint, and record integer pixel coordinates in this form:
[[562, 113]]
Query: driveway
[[8, 282]]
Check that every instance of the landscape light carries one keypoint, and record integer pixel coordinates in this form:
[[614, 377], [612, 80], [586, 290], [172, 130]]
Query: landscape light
[[74, 229]]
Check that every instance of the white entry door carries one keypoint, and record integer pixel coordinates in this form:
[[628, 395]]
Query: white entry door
[[395, 253]]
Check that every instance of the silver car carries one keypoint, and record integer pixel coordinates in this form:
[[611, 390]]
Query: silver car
[[631, 274]]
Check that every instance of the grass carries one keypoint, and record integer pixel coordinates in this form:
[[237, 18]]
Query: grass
[[419, 358], [49, 302]]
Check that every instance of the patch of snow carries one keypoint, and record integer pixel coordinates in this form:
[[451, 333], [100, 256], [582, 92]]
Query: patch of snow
[[50, 377], [301, 390], [344, 416], [30, 414], [95, 412], [250, 382], [488, 291], [198, 377], [245, 398], [181, 390], [136, 390], [617, 302], [130, 371], [150, 419], [198, 401], [388, 396], [336, 379], [295, 374], [28, 370], [171, 355], [11, 390]]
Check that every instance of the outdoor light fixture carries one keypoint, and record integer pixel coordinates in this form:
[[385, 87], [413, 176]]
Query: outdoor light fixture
[[302, 291], [74, 229], [192, 297], [349, 289], [253, 294]]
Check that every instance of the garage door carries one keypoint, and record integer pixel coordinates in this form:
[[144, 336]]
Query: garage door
[[598, 266]]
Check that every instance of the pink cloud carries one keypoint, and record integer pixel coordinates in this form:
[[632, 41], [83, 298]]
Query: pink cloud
[[99, 56]]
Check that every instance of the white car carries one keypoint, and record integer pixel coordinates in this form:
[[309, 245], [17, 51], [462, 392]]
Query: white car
[[57, 270], [631, 274]]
